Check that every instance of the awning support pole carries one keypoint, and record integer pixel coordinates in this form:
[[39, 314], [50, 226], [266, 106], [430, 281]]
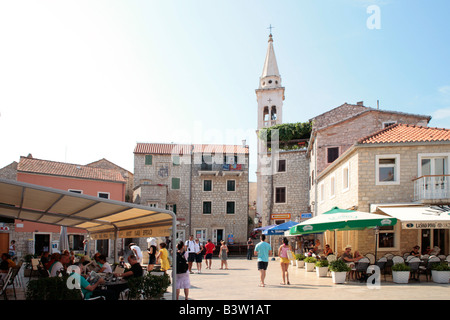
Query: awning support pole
[[174, 257]]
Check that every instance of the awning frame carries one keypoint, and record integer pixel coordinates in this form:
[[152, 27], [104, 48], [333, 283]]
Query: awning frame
[[137, 212]]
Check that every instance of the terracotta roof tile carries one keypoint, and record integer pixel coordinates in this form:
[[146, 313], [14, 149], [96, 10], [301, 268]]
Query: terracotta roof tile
[[33, 165], [401, 133], [162, 148]]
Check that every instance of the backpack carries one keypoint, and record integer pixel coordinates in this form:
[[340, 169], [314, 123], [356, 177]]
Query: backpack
[[182, 265]]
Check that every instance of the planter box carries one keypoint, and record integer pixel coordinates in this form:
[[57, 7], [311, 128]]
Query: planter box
[[322, 271], [400, 276], [338, 277], [440, 276], [300, 264], [310, 266]]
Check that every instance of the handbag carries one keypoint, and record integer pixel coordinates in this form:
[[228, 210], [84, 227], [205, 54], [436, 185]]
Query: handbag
[[290, 255]]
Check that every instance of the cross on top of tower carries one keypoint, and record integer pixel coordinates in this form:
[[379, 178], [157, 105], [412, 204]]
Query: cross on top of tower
[[270, 28]]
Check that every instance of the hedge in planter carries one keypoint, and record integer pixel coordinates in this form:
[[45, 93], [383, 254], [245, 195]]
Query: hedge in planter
[[440, 273], [51, 288], [149, 286]]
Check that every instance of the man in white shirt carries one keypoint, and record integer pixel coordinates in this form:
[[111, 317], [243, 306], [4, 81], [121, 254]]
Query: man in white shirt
[[59, 266], [136, 251], [190, 248]]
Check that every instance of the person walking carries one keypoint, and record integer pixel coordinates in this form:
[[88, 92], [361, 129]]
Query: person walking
[[198, 255], [183, 281], [190, 248], [250, 248], [263, 251], [284, 260], [223, 255], [163, 257], [210, 247]]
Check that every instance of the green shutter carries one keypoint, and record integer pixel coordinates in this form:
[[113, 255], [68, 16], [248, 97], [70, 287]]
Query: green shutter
[[174, 208], [148, 159], [175, 183], [176, 160]]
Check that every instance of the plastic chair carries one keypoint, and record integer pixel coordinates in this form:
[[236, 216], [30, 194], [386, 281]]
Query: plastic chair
[[397, 260], [361, 268], [426, 270], [14, 273], [371, 258], [331, 258], [414, 264], [409, 257], [381, 263], [4, 284]]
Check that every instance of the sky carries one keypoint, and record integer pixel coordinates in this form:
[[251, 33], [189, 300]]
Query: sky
[[86, 80]]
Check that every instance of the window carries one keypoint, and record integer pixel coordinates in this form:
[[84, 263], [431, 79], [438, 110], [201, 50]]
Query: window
[[332, 154], [171, 207], [207, 185], [104, 195], [332, 186], [176, 160], [281, 165], [152, 204], [386, 238], [280, 195], [230, 159], [175, 183], [76, 191], [148, 159], [231, 207], [231, 185], [321, 192], [207, 207], [388, 168], [345, 178]]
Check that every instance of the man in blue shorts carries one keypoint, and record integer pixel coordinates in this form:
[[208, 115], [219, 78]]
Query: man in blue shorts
[[263, 251]]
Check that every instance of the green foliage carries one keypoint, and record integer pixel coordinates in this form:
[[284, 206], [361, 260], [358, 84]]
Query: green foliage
[[400, 267], [149, 286], [299, 257], [310, 260], [51, 288], [287, 132], [339, 265], [443, 266], [322, 263]]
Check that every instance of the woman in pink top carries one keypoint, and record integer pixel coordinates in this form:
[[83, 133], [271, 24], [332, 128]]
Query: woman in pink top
[[284, 260]]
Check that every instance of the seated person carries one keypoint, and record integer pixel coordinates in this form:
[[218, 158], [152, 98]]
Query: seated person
[[6, 263], [60, 266], [327, 251], [415, 252], [134, 271], [91, 290], [106, 267], [44, 258]]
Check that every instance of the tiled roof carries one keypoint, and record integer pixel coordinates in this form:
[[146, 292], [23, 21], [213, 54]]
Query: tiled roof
[[401, 133], [162, 148], [39, 166]]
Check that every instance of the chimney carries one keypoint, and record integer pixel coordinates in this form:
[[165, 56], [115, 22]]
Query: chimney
[[360, 103]]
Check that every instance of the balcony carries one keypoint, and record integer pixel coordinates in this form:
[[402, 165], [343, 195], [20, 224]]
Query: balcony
[[432, 189]]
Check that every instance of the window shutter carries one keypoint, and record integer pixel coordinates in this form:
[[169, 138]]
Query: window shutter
[[148, 159]]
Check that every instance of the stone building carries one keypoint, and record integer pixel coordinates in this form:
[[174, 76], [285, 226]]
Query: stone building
[[396, 170], [205, 185], [337, 130]]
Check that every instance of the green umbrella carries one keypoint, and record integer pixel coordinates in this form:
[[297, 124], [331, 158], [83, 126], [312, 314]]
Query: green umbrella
[[341, 219]]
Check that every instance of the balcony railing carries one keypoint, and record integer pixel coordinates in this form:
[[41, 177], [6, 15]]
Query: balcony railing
[[432, 188]]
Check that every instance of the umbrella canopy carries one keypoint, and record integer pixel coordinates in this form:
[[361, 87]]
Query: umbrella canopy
[[280, 228], [341, 219], [264, 228]]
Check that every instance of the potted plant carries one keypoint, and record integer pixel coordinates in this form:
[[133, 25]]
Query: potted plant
[[310, 263], [300, 260], [339, 270], [400, 273], [322, 268], [440, 273]]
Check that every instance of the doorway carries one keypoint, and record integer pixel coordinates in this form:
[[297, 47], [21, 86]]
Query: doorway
[[41, 243], [431, 238], [218, 236], [4, 242]]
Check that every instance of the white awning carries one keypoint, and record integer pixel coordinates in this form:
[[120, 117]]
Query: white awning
[[29, 202], [419, 217]]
